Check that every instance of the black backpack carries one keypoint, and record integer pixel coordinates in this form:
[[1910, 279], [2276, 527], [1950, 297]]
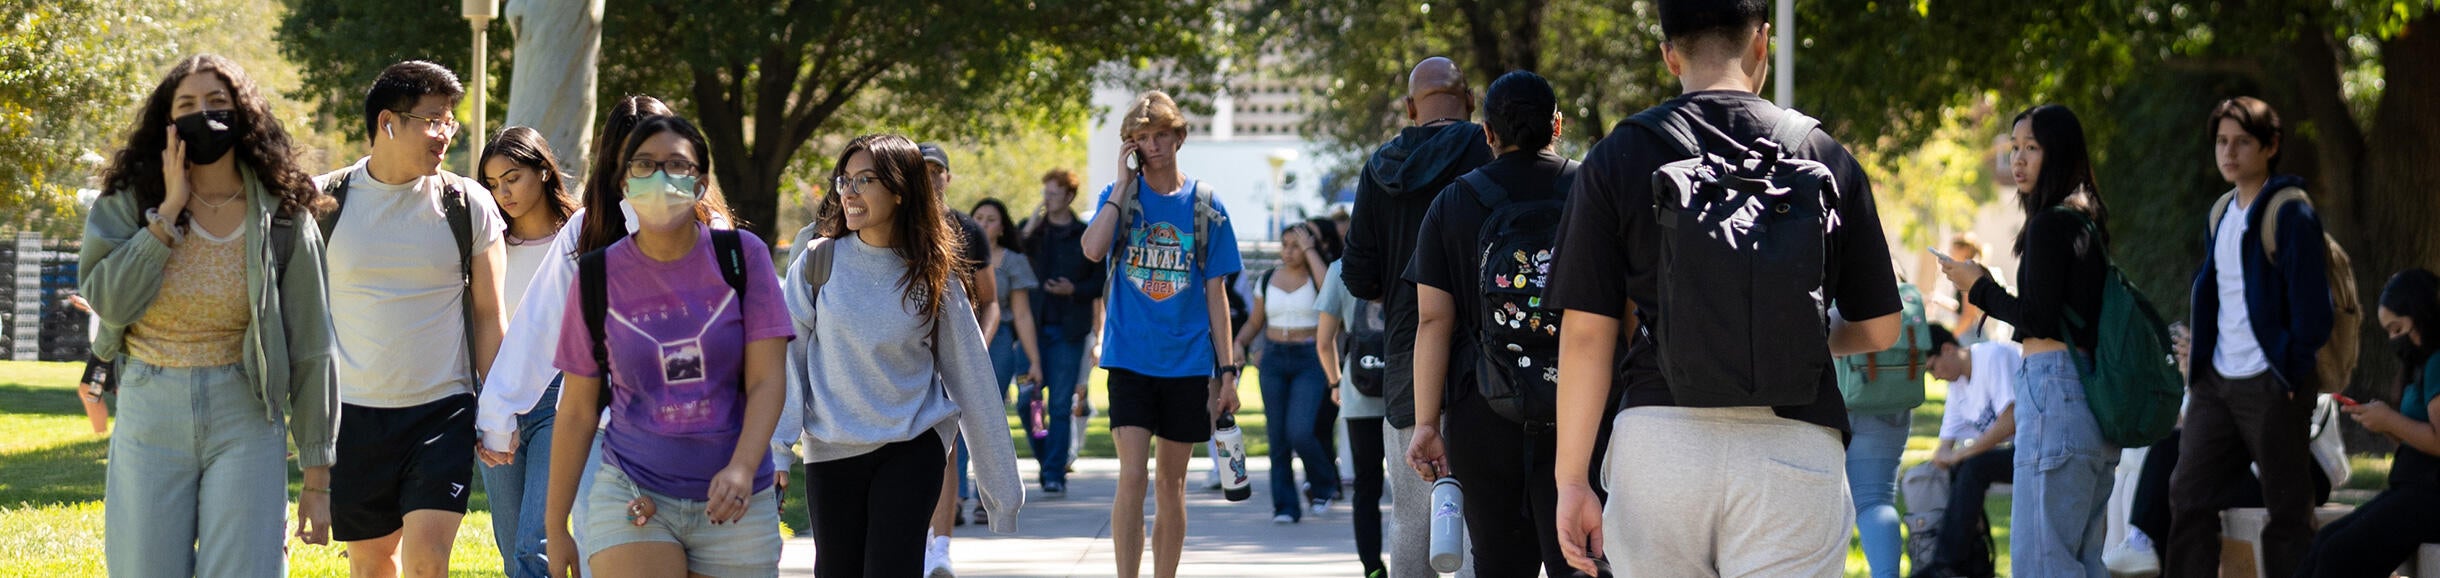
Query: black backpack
[[1744, 244], [1365, 342], [593, 287], [1517, 337], [461, 226]]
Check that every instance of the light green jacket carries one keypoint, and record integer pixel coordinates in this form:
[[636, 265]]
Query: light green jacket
[[290, 359]]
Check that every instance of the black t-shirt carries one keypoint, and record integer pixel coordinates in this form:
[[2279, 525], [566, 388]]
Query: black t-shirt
[[2061, 270], [1447, 251], [976, 252], [1609, 242]]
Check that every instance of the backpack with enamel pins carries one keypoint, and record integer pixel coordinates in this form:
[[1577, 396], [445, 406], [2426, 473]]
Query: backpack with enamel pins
[[1517, 364]]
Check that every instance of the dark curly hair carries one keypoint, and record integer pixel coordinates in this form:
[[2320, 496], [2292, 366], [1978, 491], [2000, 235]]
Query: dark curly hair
[[925, 240], [264, 148]]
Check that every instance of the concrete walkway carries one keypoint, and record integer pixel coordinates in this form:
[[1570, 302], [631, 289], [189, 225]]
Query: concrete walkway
[[1071, 536]]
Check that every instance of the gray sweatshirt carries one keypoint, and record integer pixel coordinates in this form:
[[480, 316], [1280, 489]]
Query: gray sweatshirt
[[873, 372]]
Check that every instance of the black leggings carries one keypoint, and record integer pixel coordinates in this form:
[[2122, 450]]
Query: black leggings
[[870, 512], [1364, 440]]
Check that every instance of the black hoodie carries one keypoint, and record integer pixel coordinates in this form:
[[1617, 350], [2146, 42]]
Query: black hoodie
[[1396, 190]]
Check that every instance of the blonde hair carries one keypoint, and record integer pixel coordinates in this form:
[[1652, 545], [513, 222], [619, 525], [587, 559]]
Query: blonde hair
[[1153, 110]]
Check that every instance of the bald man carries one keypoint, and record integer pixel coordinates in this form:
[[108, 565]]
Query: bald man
[[1397, 188]]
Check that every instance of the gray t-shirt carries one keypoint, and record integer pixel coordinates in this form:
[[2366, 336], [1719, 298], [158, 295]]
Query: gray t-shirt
[[1340, 304], [1014, 274]]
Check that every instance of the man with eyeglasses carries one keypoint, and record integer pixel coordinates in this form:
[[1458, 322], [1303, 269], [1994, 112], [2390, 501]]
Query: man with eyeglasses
[[414, 261]]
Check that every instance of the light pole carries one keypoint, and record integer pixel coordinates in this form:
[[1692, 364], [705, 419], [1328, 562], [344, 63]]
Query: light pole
[[479, 13], [1785, 58]]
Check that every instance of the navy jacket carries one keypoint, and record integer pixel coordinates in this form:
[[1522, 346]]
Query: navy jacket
[[2287, 304]]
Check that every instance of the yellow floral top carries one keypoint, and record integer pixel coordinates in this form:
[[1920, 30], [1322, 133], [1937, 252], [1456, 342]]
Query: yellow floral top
[[199, 317]]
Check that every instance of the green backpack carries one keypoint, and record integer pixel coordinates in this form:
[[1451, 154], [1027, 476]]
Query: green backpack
[[1891, 380], [2131, 383]]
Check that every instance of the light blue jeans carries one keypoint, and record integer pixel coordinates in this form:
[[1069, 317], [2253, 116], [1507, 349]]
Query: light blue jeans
[[198, 477], [2063, 474], [518, 492], [1872, 478]]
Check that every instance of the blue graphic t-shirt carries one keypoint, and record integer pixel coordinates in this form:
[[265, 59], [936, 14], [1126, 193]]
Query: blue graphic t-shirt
[[1159, 324]]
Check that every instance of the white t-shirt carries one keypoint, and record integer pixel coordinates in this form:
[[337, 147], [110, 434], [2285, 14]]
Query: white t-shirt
[[2237, 354], [395, 296], [1975, 402], [523, 262]]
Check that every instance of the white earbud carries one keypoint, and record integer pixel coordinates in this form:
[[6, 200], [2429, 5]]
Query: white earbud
[[392, 129]]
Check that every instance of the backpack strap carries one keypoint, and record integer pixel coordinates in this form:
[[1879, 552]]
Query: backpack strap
[[2270, 219], [283, 242], [1489, 193], [2219, 210], [336, 187], [817, 264], [461, 226], [731, 259], [1207, 216], [1793, 130], [593, 294], [1663, 120]]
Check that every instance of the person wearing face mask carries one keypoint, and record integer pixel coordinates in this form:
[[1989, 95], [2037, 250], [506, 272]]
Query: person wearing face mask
[[415, 266], [2384, 532], [892, 365], [201, 263], [681, 334], [524, 178]]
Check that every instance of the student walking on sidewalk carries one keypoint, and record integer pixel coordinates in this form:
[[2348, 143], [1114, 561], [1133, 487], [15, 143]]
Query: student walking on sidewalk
[[204, 266], [893, 365], [678, 330], [1170, 250], [533, 195], [1294, 388]]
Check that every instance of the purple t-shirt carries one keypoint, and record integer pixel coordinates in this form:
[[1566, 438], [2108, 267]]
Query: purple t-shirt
[[677, 338]]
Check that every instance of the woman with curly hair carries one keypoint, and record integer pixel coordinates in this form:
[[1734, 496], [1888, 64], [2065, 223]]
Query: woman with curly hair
[[202, 260]]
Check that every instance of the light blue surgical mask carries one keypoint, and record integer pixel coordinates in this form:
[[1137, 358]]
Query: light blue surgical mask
[[660, 198]]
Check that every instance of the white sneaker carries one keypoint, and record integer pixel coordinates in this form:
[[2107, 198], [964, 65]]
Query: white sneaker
[[936, 558], [2133, 557]]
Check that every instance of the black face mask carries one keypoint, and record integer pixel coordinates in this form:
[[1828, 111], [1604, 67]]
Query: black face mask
[[2406, 350], [209, 135]]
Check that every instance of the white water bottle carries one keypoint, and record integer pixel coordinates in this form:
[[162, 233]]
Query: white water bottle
[[1448, 525], [1234, 484]]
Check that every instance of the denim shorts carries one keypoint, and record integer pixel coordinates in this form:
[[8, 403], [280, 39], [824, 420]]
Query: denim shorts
[[747, 548]]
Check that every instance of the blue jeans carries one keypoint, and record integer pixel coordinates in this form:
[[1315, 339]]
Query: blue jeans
[[1293, 391], [1062, 358], [1872, 478], [2063, 474], [518, 491], [197, 479]]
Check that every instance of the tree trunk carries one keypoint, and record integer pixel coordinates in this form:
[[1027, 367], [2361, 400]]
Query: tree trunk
[[2400, 200], [557, 55]]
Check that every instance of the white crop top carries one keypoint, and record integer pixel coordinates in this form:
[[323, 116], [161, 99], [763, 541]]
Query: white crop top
[[1284, 309]]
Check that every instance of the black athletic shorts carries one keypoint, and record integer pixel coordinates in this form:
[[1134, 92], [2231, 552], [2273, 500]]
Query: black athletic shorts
[[398, 460], [1175, 408], [100, 373]]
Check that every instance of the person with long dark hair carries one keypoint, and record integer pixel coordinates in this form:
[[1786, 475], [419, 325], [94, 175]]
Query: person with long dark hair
[[687, 353], [1015, 345], [2386, 531], [2063, 259], [1294, 388], [534, 196], [893, 365], [203, 264]]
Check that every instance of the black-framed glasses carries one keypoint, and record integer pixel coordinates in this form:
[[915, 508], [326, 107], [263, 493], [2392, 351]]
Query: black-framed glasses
[[446, 123], [640, 168], [853, 184]]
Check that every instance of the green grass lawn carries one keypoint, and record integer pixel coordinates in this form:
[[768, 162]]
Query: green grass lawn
[[51, 481]]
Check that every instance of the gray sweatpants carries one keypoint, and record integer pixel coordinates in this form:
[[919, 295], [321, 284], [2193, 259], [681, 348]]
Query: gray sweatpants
[[1729, 492], [1410, 497]]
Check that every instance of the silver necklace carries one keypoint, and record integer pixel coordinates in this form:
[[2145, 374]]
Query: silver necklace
[[224, 200]]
